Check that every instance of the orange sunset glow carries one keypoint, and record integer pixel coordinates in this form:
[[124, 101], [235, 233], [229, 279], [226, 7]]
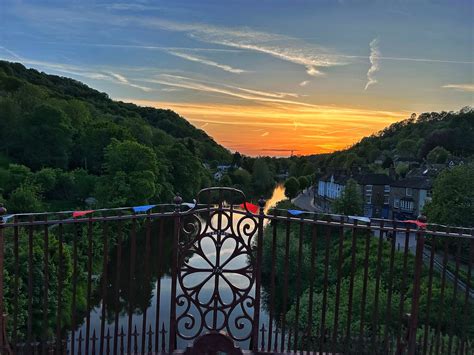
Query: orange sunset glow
[[277, 130], [301, 77]]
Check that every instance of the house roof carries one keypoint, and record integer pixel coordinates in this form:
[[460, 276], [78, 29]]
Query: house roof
[[340, 179], [421, 183], [362, 179], [373, 179]]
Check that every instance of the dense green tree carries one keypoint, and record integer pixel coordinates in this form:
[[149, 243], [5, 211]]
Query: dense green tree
[[352, 160], [138, 129], [292, 187], [453, 196], [84, 184], [262, 178], [47, 138], [45, 179], [402, 169], [131, 174], [303, 182], [387, 162], [350, 202], [25, 198], [406, 148], [10, 123], [185, 171], [91, 144], [225, 181], [438, 155], [129, 156], [15, 176], [241, 177], [237, 159]]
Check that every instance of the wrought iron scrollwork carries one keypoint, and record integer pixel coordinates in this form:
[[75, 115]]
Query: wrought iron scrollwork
[[216, 270]]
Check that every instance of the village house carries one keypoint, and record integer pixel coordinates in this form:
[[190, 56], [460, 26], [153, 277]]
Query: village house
[[409, 196], [375, 189], [330, 186]]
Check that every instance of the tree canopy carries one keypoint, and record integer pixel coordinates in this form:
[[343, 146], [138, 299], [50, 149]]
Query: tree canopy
[[62, 142], [292, 187], [453, 197], [350, 202]]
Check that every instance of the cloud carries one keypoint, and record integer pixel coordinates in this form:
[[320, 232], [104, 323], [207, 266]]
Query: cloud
[[304, 83], [374, 62], [265, 93], [75, 70], [279, 46], [183, 82], [132, 7], [264, 134], [123, 80], [194, 58], [13, 54], [460, 87], [120, 78]]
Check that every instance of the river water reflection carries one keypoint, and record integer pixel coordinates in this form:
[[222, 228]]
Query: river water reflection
[[150, 292]]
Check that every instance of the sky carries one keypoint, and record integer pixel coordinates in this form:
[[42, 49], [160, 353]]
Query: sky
[[261, 77]]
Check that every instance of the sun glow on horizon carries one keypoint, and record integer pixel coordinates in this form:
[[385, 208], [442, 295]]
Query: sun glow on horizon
[[277, 130]]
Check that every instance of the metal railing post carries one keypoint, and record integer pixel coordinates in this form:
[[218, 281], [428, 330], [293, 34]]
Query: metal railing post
[[413, 322], [174, 272], [258, 273], [4, 346]]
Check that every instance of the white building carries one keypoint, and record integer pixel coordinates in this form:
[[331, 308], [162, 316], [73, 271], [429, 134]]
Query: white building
[[331, 185]]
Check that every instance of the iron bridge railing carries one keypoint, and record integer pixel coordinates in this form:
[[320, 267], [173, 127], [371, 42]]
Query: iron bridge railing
[[206, 277]]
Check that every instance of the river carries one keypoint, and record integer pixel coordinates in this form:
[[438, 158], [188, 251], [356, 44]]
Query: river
[[147, 300]]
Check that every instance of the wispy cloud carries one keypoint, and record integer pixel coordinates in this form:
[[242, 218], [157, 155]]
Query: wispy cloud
[[374, 62], [11, 53], [75, 70], [264, 134], [283, 47], [265, 93], [123, 80], [304, 83], [183, 82], [460, 87], [194, 58], [132, 7]]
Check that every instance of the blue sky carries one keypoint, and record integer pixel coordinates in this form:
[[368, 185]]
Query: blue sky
[[312, 76]]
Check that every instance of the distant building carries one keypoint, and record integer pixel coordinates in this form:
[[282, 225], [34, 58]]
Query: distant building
[[282, 175], [375, 189], [223, 168], [331, 185], [376, 194], [218, 176], [409, 196]]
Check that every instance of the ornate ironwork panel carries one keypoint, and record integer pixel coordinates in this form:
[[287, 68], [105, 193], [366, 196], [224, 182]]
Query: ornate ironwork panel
[[216, 269]]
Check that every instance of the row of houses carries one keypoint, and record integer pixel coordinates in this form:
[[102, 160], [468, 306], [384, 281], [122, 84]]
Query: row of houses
[[383, 196]]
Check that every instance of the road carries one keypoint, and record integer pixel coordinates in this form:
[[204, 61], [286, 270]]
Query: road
[[305, 201]]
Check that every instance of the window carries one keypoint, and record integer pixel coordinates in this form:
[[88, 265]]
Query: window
[[386, 199], [409, 191], [368, 188], [369, 199], [406, 205], [386, 189], [396, 203]]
